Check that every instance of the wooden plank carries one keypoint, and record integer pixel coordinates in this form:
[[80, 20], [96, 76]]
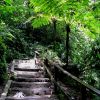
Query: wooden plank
[[51, 77], [7, 86], [4, 94], [35, 97], [26, 69], [12, 67]]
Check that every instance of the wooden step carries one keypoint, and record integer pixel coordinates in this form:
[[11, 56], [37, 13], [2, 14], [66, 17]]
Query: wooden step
[[26, 69], [31, 91], [36, 75], [23, 60], [30, 84], [23, 79], [28, 74], [35, 97], [31, 76]]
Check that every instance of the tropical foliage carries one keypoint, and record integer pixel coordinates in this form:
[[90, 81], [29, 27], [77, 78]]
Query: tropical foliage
[[46, 24]]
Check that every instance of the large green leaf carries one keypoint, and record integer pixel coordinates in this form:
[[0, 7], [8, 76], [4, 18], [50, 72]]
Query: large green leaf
[[40, 21]]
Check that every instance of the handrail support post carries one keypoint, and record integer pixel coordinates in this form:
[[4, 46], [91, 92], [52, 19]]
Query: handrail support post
[[83, 93], [55, 77]]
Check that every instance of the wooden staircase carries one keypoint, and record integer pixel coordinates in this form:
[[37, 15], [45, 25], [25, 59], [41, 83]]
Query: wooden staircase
[[29, 83]]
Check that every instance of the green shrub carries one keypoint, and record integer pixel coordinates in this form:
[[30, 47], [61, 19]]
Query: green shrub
[[3, 73]]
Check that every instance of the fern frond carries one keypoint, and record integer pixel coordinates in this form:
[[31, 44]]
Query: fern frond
[[48, 6], [40, 21]]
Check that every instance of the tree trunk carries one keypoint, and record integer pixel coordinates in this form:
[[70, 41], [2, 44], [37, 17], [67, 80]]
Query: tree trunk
[[54, 29], [67, 44]]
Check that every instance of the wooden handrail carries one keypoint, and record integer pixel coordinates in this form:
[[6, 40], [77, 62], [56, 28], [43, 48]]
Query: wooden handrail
[[83, 84], [57, 83], [96, 91]]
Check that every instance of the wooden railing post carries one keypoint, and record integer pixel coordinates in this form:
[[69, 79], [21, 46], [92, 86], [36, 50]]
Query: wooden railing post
[[83, 93], [55, 77], [46, 63]]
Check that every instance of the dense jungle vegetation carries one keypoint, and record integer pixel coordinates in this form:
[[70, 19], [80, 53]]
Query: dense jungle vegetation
[[62, 27]]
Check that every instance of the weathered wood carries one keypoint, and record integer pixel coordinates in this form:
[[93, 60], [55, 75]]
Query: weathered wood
[[23, 79], [36, 97], [49, 73], [28, 88], [87, 86], [12, 67], [4, 94], [55, 77], [83, 93], [30, 70], [30, 84], [31, 91], [96, 91], [29, 74], [57, 84]]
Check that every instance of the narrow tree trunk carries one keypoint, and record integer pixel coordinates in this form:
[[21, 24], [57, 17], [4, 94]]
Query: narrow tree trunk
[[54, 32], [54, 38], [67, 43]]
